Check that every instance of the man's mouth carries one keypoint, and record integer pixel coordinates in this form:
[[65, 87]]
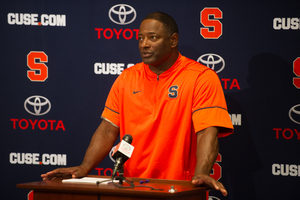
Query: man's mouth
[[146, 54]]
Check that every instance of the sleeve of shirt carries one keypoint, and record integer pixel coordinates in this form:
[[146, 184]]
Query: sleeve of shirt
[[209, 104], [111, 111]]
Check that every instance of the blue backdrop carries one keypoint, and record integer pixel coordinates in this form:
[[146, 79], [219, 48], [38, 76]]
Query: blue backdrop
[[60, 58]]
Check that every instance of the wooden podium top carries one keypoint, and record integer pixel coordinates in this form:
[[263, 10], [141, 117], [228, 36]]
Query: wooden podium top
[[184, 189]]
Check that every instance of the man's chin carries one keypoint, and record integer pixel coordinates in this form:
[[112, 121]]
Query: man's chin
[[147, 61]]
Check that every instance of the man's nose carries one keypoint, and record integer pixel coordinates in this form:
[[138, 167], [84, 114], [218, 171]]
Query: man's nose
[[145, 43]]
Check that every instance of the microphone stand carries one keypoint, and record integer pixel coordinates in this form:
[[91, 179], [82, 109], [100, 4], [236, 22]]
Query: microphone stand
[[121, 177]]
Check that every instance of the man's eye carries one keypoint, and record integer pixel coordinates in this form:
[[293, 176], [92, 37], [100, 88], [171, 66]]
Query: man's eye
[[153, 37]]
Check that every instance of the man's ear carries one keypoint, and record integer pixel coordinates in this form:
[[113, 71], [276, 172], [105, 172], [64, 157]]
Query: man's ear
[[174, 39]]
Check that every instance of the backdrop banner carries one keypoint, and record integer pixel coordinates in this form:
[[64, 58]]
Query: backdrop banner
[[60, 59]]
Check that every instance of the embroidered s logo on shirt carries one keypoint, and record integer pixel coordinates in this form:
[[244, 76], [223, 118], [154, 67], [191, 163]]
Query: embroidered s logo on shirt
[[173, 92]]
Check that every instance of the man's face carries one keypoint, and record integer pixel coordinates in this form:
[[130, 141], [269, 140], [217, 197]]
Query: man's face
[[154, 43]]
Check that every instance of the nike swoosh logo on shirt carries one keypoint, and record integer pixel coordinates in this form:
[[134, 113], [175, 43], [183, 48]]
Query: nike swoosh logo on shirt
[[134, 92]]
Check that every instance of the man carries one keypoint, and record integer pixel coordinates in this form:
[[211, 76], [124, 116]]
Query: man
[[173, 107]]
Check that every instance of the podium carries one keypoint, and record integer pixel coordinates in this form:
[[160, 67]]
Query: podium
[[56, 189]]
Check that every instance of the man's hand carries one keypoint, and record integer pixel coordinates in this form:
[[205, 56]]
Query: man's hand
[[71, 172], [203, 179]]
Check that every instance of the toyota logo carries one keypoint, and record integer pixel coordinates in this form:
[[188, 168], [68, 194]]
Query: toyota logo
[[212, 60], [37, 105], [294, 114], [122, 14]]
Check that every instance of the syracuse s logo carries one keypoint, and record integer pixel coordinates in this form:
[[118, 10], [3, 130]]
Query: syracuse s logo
[[122, 14], [211, 60], [209, 18], [37, 105], [173, 92]]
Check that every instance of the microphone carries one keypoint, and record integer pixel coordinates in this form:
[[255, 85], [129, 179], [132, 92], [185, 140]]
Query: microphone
[[122, 153]]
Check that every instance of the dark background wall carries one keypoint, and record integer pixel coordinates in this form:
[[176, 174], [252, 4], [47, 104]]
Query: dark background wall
[[60, 58]]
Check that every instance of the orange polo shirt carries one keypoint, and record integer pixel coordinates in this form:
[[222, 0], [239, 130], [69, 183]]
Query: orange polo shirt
[[163, 113]]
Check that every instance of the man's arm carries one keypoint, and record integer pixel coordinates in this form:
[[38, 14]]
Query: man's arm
[[100, 145], [207, 152]]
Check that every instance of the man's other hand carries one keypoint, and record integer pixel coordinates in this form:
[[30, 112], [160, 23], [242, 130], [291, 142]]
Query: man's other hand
[[203, 179]]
